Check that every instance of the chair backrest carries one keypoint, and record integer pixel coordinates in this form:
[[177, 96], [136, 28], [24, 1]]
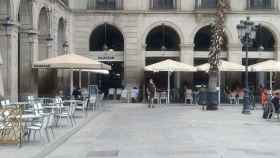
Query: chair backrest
[[92, 99], [45, 121], [72, 108], [51, 122], [124, 93], [111, 91], [36, 109], [163, 94], [7, 102], [119, 91], [3, 103]]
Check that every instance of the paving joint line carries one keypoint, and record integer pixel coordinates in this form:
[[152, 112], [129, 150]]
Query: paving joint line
[[61, 140]]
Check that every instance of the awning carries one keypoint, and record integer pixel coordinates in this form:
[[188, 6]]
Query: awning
[[104, 72], [224, 66], [70, 61], [266, 66], [170, 66]]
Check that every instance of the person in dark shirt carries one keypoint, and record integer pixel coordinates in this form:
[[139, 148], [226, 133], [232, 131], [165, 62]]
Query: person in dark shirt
[[151, 89], [275, 101], [77, 93]]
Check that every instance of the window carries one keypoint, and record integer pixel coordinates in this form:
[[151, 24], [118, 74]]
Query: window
[[163, 4], [206, 4], [105, 4], [260, 4]]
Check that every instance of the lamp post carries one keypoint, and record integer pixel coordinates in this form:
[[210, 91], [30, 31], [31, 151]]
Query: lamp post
[[247, 34]]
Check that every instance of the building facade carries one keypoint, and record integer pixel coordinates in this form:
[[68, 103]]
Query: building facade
[[128, 35]]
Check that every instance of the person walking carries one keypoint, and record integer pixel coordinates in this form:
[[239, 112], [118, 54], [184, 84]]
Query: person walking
[[151, 89]]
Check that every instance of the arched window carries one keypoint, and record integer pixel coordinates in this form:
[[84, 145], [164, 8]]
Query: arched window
[[61, 36], [106, 37], [202, 40], [163, 38], [264, 40]]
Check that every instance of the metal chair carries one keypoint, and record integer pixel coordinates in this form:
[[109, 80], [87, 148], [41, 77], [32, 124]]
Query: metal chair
[[111, 93], [188, 96], [163, 96], [39, 127]]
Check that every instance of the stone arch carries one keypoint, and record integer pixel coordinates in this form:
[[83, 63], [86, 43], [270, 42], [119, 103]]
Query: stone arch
[[274, 30], [61, 36], [110, 23], [116, 41], [163, 38], [166, 23], [228, 33], [202, 39], [46, 86]]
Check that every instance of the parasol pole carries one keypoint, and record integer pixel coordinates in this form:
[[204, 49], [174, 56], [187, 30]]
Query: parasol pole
[[80, 79], [168, 88], [71, 82], [270, 78]]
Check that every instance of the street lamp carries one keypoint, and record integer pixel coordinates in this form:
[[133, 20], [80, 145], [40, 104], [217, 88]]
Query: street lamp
[[247, 34]]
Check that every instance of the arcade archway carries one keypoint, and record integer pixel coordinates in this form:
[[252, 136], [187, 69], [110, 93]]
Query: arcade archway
[[162, 42], [107, 45]]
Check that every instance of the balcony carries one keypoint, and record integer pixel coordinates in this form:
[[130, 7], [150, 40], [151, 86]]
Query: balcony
[[163, 4], [260, 4], [206, 4], [105, 4]]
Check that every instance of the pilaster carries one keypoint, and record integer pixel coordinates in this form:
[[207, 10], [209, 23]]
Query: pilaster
[[187, 57], [9, 45]]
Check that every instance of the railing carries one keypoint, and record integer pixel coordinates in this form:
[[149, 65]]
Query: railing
[[11, 131], [260, 4], [105, 4], [163, 4], [205, 4]]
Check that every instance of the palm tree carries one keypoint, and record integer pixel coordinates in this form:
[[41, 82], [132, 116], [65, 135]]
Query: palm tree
[[217, 41]]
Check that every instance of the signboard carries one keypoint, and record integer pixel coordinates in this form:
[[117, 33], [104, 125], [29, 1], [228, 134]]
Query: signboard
[[106, 56]]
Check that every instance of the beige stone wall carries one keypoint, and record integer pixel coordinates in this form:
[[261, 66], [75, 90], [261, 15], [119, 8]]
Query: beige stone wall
[[135, 22]]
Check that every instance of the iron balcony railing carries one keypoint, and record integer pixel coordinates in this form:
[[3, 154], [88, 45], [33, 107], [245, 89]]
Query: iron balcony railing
[[105, 4], [163, 4]]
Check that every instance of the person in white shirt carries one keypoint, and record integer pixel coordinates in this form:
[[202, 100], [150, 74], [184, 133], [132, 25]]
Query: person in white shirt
[[134, 94]]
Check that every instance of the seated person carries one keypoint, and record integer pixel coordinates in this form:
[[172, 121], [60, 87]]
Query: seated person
[[77, 93], [134, 94]]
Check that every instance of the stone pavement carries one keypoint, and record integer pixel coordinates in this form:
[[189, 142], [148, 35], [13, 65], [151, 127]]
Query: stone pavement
[[37, 147], [174, 131]]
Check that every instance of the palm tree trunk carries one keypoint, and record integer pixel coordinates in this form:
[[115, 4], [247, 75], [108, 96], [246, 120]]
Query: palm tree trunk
[[214, 55]]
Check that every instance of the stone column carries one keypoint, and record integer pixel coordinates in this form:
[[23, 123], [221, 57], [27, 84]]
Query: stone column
[[187, 57], [27, 75], [235, 55], [9, 50]]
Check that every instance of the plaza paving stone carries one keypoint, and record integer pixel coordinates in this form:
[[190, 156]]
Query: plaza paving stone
[[174, 131], [33, 148]]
